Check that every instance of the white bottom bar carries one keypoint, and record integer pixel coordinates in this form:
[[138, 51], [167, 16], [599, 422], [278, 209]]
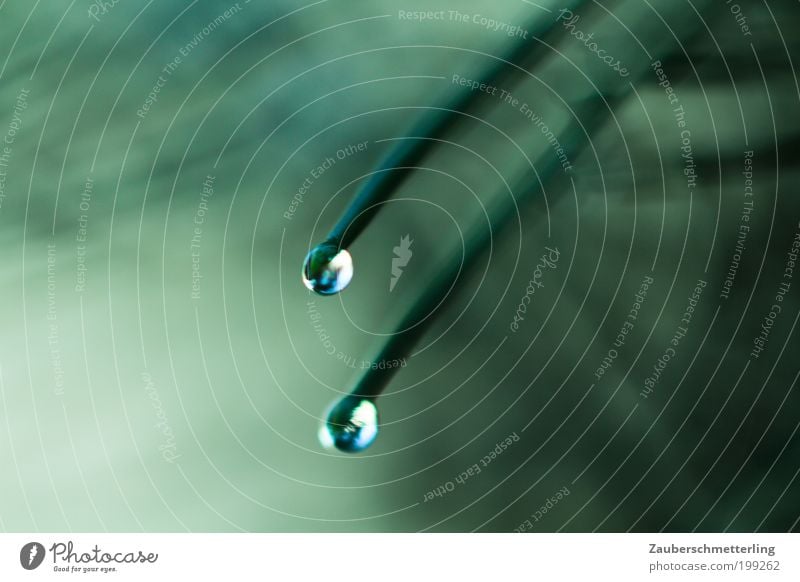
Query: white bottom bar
[[400, 557]]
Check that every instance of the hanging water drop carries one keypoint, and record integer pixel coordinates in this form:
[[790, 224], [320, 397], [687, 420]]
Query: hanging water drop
[[327, 269], [351, 426]]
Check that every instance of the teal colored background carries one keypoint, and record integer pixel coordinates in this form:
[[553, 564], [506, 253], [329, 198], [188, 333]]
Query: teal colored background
[[131, 401]]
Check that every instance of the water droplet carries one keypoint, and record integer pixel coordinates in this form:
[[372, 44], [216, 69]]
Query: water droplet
[[352, 425], [327, 270]]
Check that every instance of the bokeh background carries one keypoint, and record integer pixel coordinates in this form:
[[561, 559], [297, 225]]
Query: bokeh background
[[162, 367]]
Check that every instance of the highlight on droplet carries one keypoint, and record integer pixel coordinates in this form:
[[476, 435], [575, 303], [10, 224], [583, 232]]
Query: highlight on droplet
[[351, 425], [327, 269]]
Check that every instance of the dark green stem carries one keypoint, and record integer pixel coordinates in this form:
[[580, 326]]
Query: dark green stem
[[404, 158]]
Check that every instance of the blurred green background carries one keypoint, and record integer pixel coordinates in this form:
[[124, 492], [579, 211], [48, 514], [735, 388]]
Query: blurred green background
[[164, 369]]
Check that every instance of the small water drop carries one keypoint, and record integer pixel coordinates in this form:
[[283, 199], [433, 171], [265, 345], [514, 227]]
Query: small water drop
[[327, 270], [352, 425]]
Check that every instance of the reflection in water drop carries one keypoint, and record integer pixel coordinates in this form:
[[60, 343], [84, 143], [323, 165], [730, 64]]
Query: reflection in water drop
[[352, 425], [327, 270]]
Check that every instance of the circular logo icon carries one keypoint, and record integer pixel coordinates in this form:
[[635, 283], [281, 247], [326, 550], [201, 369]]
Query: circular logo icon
[[31, 555]]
